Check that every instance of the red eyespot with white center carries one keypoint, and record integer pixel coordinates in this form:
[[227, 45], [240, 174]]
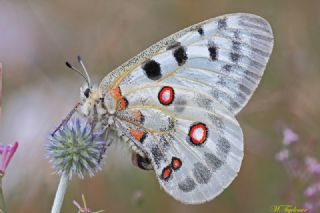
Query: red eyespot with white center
[[198, 133], [166, 95]]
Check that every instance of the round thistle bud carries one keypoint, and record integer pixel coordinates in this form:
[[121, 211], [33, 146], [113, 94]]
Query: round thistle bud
[[76, 149]]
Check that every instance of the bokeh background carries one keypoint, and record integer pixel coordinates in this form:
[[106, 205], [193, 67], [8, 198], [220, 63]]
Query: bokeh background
[[37, 37]]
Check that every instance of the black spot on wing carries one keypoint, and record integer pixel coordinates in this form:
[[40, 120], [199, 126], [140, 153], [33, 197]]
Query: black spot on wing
[[187, 184], [213, 161], [201, 173], [236, 34], [152, 69], [165, 141], [217, 121], [222, 23], [205, 102], [234, 57], [157, 155], [200, 31], [235, 54], [223, 146], [180, 55], [212, 51], [222, 81], [236, 46], [227, 67], [179, 104]]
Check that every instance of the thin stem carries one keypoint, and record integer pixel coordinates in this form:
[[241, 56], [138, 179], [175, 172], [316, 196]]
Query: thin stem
[[62, 188], [3, 208]]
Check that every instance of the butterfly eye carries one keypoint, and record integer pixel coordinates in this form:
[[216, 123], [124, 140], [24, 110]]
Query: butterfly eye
[[87, 92]]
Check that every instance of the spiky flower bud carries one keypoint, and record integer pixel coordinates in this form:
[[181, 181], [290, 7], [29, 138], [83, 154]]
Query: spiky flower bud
[[76, 149]]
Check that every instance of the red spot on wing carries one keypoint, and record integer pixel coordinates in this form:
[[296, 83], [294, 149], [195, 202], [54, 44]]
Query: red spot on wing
[[166, 173], [176, 163], [166, 95], [116, 93], [122, 103], [138, 135], [198, 133]]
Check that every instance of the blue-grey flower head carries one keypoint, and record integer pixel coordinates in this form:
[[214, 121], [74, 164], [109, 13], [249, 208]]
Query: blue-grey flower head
[[76, 149]]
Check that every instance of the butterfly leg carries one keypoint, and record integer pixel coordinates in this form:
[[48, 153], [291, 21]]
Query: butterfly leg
[[94, 120], [109, 140], [68, 117]]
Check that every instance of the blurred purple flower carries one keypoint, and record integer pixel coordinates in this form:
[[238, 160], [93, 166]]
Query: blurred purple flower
[[282, 155], [312, 190], [313, 166], [289, 136], [6, 151], [308, 206], [301, 167]]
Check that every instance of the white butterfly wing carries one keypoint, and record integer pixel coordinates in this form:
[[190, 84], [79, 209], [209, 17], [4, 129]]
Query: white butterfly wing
[[196, 149], [224, 57], [177, 101]]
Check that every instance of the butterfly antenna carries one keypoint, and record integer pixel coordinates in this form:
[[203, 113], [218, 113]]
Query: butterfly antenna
[[84, 69], [86, 77]]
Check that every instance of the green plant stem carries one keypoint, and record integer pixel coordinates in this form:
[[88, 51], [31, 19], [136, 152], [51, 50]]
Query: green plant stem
[[62, 188], [3, 207]]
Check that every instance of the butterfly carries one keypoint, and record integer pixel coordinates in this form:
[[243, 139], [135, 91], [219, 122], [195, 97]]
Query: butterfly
[[176, 102]]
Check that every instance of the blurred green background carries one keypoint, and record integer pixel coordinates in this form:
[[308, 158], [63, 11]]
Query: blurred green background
[[37, 37]]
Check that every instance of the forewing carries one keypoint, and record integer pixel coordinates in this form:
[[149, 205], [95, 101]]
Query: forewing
[[194, 143], [224, 57]]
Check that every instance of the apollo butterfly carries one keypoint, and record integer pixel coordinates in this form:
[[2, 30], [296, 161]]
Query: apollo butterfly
[[176, 102]]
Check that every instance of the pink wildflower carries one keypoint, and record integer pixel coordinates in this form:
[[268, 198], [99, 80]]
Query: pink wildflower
[[282, 155], [289, 136], [6, 153], [313, 166], [308, 206], [312, 190]]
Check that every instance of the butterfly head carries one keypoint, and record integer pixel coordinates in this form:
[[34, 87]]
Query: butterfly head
[[88, 92], [90, 99], [89, 95]]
